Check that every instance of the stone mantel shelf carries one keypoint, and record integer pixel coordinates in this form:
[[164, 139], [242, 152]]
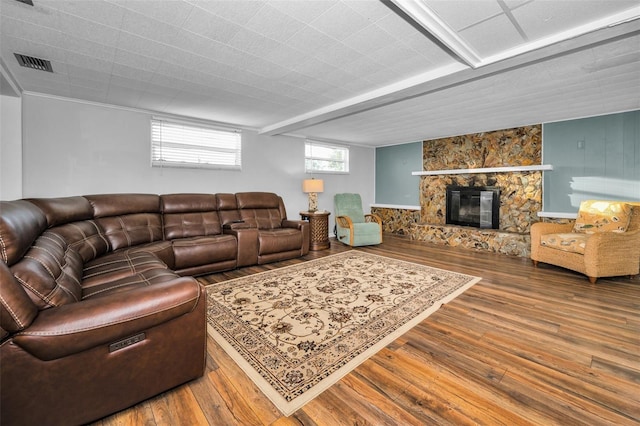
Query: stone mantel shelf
[[485, 170]]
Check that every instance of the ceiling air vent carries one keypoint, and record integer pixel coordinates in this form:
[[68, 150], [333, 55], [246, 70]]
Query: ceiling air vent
[[35, 63]]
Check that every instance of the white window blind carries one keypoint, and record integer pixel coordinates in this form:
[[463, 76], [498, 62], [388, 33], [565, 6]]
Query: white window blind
[[322, 157], [180, 144]]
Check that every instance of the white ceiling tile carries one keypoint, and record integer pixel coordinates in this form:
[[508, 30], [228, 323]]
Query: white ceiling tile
[[135, 61], [492, 36], [239, 12], [253, 43], [372, 11], [98, 11], [338, 57], [31, 32], [211, 26], [89, 48], [88, 62], [369, 39], [88, 30], [274, 24], [172, 12], [135, 74], [141, 46], [311, 40], [305, 10], [460, 14], [340, 22], [145, 27]]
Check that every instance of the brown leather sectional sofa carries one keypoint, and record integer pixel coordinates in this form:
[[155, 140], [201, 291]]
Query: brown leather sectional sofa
[[98, 306]]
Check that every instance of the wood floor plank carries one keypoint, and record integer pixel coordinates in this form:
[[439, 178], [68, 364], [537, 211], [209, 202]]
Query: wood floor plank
[[525, 345]]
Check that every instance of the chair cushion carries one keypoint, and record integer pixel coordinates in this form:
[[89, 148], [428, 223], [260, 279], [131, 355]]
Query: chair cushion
[[349, 205], [571, 242], [602, 216]]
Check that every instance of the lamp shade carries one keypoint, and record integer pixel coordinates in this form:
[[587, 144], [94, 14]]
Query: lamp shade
[[312, 185]]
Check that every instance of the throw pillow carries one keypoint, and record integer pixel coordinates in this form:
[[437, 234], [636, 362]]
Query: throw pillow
[[602, 216]]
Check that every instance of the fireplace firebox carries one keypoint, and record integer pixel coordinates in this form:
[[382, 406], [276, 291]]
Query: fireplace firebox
[[477, 206]]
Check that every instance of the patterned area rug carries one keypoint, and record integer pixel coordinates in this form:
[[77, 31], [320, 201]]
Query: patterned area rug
[[297, 330]]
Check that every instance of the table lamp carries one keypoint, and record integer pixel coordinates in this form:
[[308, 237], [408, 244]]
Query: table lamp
[[312, 187]]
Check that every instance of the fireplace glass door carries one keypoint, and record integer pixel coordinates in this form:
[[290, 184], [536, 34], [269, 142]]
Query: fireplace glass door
[[473, 206]]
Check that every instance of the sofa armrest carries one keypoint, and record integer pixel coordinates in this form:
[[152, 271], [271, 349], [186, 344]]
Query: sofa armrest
[[240, 224], [298, 224], [247, 237], [68, 329]]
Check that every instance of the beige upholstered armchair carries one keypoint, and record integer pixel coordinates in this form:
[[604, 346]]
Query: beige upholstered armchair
[[597, 245]]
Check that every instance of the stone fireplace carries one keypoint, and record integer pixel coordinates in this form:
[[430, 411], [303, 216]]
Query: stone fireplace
[[520, 196]]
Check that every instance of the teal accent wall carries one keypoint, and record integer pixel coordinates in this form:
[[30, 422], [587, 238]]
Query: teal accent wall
[[394, 182], [592, 158]]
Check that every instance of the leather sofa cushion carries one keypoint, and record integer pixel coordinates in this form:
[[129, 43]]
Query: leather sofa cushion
[[50, 272], [118, 265], [279, 240], [127, 283], [198, 251], [21, 223]]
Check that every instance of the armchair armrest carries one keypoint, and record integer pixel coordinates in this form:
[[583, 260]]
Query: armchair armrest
[[373, 218], [344, 222], [541, 228], [68, 329]]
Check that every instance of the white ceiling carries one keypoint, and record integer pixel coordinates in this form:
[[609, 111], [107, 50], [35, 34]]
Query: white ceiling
[[359, 71]]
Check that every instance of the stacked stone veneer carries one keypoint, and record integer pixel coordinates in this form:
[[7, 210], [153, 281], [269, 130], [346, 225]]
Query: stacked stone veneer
[[397, 221], [520, 192]]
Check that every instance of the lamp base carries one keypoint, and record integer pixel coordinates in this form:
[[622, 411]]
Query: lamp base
[[313, 201]]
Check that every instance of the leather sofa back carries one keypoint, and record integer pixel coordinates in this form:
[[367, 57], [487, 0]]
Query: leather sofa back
[[227, 208], [128, 219], [72, 219], [265, 209], [189, 215]]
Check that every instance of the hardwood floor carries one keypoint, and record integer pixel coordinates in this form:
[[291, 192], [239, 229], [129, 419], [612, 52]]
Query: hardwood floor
[[523, 346]]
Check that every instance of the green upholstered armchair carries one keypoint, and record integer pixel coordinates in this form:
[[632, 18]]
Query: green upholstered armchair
[[353, 227]]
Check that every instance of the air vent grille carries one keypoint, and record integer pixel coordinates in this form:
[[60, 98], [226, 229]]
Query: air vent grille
[[35, 63]]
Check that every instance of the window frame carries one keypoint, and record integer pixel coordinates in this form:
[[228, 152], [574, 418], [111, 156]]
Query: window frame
[[343, 148], [156, 145]]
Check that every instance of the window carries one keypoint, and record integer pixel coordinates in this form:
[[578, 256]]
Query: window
[[321, 157], [180, 144]]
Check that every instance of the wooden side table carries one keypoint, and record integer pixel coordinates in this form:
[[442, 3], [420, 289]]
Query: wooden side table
[[319, 224]]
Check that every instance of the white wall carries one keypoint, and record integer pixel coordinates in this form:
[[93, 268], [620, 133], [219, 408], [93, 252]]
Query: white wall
[[75, 148], [10, 148]]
